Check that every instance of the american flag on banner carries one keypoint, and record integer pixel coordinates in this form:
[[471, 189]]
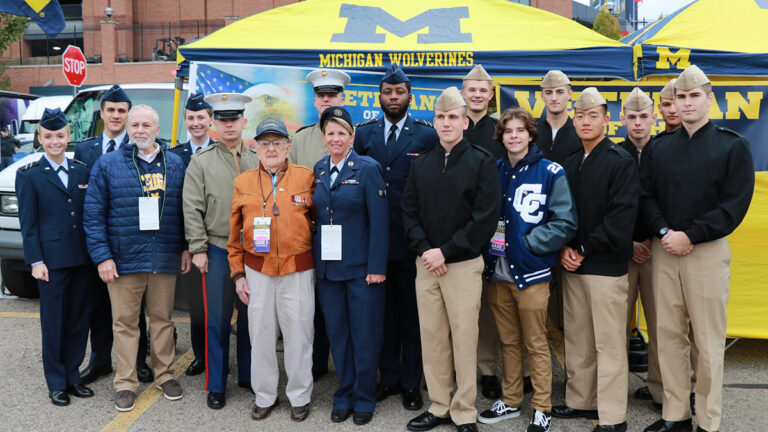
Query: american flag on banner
[[211, 80]]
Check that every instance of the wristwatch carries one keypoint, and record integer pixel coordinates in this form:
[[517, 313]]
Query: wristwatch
[[663, 232]]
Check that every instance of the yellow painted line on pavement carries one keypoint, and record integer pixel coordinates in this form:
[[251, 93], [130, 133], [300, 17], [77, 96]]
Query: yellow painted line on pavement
[[149, 396], [37, 315]]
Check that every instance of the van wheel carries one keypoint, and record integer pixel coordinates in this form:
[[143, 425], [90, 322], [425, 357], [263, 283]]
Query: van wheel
[[18, 280]]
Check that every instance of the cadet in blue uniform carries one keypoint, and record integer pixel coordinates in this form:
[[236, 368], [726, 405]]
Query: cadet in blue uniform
[[198, 117], [394, 140], [350, 249], [115, 105], [51, 193]]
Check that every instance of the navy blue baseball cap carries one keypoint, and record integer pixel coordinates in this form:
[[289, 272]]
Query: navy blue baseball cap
[[116, 94], [197, 102], [395, 75], [53, 119], [271, 125], [339, 114]]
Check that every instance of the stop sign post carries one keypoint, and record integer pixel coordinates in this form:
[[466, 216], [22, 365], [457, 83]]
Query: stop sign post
[[74, 66]]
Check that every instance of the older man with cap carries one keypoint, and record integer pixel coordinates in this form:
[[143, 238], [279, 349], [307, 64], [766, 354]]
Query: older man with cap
[[605, 185], [51, 192], [270, 257], [308, 147], [691, 257], [556, 137], [133, 226], [667, 107], [115, 105], [395, 140], [208, 189], [450, 207]]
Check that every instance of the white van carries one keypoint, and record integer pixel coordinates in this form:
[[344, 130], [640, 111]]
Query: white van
[[34, 113], [84, 121]]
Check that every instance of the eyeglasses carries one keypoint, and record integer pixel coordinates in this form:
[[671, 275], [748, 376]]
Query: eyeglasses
[[273, 143]]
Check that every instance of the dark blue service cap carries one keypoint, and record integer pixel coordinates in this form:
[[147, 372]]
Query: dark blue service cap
[[395, 75], [53, 119], [116, 94], [197, 102], [339, 114], [271, 125]]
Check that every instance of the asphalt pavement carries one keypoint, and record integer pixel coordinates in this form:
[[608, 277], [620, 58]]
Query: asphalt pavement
[[24, 405]]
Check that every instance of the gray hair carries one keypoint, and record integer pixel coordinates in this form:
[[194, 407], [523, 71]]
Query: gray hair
[[142, 107]]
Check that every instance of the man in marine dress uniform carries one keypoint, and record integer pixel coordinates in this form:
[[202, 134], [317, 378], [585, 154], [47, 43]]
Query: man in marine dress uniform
[[208, 190], [308, 147], [115, 104], [691, 257], [395, 140], [198, 117]]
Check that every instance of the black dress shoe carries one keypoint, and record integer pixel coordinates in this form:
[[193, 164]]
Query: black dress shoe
[[317, 374], [79, 390], [361, 418], [643, 393], [620, 427], [427, 421], [383, 392], [491, 389], [659, 406], [216, 400], [91, 373], [670, 426], [412, 400], [195, 368], [699, 429], [693, 404], [527, 385], [468, 427], [144, 372], [59, 397], [339, 415], [566, 412]]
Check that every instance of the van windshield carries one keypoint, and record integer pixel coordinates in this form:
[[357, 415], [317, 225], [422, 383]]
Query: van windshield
[[83, 113]]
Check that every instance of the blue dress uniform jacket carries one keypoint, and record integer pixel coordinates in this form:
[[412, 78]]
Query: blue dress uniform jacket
[[90, 150], [51, 215], [416, 138], [359, 203]]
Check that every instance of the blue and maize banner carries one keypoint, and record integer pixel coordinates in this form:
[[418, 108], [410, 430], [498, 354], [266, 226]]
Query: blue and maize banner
[[46, 13]]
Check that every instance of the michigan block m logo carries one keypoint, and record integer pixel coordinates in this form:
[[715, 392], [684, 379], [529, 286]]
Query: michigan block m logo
[[444, 25], [667, 58]]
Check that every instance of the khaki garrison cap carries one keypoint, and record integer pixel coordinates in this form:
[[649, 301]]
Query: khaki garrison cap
[[555, 78], [478, 73], [668, 92], [637, 100], [449, 100], [691, 78], [589, 98]]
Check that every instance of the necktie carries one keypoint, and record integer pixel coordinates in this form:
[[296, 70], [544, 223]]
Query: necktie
[[392, 135], [110, 145], [60, 169], [334, 174], [63, 175]]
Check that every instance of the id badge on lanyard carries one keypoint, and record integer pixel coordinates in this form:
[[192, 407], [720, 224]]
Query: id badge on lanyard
[[149, 216], [330, 245], [261, 233], [498, 241]]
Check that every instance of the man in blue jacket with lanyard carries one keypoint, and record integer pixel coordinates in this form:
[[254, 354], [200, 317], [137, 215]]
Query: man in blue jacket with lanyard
[[198, 117], [394, 140], [115, 104], [51, 192]]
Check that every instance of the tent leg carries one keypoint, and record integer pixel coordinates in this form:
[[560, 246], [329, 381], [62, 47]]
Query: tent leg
[[732, 343]]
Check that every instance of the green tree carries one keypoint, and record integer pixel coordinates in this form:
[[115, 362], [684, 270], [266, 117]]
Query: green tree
[[11, 29], [607, 24]]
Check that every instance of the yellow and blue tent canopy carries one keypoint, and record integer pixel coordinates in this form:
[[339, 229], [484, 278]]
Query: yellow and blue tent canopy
[[725, 38], [46, 13], [429, 37]]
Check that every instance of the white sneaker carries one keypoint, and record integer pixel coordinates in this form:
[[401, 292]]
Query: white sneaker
[[540, 422], [498, 412]]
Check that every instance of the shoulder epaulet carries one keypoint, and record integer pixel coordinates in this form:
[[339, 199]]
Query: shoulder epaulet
[[304, 127], [85, 139], [484, 151], [367, 122], [423, 122], [207, 149], [619, 149], [250, 149], [79, 162], [29, 165], [722, 129]]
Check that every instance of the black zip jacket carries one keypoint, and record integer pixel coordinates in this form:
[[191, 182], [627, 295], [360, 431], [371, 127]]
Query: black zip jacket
[[566, 141], [701, 184], [606, 189], [641, 232], [452, 206], [481, 134]]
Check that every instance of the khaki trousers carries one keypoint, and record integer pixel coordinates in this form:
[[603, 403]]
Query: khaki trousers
[[692, 289], [125, 293], [596, 345], [448, 314], [281, 304], [521, 317], [488, 337], [640, 281]]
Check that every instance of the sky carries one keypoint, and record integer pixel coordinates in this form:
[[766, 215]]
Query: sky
[[650, 9]]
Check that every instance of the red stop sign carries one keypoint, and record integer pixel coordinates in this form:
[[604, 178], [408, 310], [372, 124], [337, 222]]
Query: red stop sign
[[73, 64]]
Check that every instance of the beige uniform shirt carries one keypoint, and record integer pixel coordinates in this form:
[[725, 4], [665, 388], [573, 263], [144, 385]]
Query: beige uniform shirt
[[308, 146], [208, 188]]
